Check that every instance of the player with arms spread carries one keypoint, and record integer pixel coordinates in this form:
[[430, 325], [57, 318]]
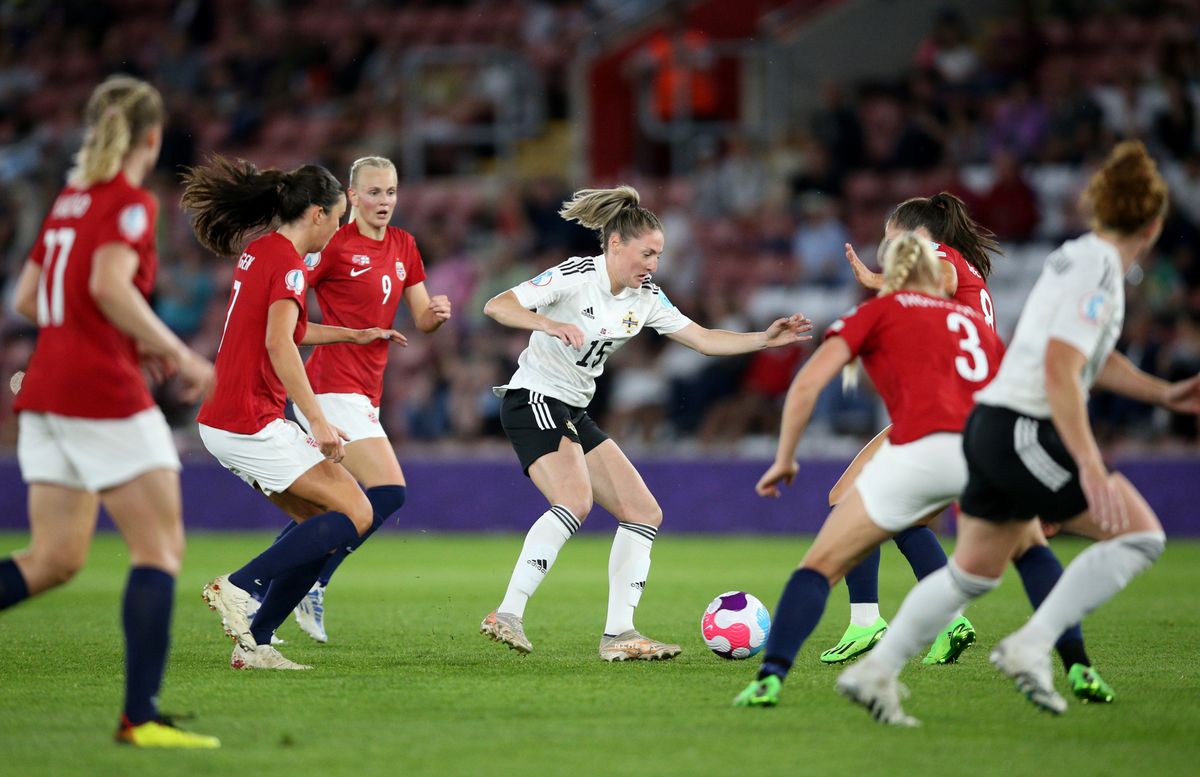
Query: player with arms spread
[[258, 366], [1031, 453], [90, 433], [927, 355], [360, 278], [586, 308]]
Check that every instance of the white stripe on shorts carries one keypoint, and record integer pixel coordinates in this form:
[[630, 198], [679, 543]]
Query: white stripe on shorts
[[1049, 472], [541, 412]]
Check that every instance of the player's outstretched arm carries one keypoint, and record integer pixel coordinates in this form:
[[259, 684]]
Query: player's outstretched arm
[[320, 334], [720, 342], [1121, 376], [797, 411], [507, 310]]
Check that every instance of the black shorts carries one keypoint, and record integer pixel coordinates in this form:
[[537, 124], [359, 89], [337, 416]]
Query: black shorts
[[1017, 469], [535, 425]]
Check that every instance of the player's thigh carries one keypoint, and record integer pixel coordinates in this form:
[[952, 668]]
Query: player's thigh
[[562, 477], [148, 512], [297, 508], [1141, 516], [847, 536], [846, 481], [985, 547], [618, 487], [333, 489], [372, 461], [62, 521]]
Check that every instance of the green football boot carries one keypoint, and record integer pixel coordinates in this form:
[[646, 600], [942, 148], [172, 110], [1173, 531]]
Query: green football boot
[[1088, 685], [760, 693], [951, 643], [856, 641]]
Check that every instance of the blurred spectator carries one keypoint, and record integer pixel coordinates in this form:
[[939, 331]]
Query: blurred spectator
[[947, 50], [818, 244], [1009, 206]]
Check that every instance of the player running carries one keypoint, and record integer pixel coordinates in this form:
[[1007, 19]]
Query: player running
[[258, 366], [927, 355], [360, 278], [587, 308], [90, 433], [1030, 451]]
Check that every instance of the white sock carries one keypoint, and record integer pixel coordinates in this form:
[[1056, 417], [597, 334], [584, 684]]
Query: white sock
[[1095, 576], [628, 566], [863, 613], [929, 606], [542, 544]]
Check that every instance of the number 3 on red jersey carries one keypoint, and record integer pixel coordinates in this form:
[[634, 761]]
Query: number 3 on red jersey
[[976, 368]]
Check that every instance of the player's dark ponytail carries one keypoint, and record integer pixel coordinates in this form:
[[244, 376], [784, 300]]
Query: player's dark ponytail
[[231, 199], [948, 221]]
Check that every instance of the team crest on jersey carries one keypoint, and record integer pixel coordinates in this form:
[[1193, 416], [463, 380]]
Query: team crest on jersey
[[630, 323], [401, 273], [133, 221], [294, 281], [361, 260], [312, 260], [1094, 307], [543, 279]]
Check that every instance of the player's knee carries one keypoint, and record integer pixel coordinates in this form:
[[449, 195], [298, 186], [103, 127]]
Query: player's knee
[[650, 515], [971, 585], [1149, 544], [579, 506], [361, 514], [58, 567]]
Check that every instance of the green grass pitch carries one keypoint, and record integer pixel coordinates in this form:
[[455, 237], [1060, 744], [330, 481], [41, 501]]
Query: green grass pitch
[[407, 685]]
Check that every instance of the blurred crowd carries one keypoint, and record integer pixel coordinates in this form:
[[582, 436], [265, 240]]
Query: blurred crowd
[[1010, 114]]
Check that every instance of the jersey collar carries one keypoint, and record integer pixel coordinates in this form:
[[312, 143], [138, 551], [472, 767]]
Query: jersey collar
[[606, 282]]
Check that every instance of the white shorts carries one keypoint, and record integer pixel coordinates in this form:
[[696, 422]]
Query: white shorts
[[93, 454], [352, 413], [904, 483], [271, 459]]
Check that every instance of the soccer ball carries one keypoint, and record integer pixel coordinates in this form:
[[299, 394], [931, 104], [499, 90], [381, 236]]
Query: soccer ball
[[735, 625]]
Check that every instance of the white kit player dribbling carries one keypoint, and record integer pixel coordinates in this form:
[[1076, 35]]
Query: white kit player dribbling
[[587, 308]]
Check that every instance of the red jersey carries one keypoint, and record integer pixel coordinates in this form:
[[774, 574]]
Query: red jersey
[[248, 394], [972, 289], [359, 282], [927, 356], [83, 366]]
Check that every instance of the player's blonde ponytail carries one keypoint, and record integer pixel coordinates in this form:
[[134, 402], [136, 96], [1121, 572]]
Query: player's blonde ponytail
[[119, 112], [383, 163], [908, 259], [610, 211]]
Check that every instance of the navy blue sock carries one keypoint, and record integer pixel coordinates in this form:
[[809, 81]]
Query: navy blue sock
[[862, 582], [385, 501], [309, 541], [283, 595], [922, 549], [260, 593], [12, 584], [146, 616], [290, 525], [1040, 570], [797, 614]]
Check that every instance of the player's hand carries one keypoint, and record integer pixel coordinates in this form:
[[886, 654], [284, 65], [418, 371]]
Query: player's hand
[[1104, 498], [869, 279], [439, 307], [196, 375], [378, 333], [329, 439], [787, 331], [569, 334], [1183, 396], [768, 484]]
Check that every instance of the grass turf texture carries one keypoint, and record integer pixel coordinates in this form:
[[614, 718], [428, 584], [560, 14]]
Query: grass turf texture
[[407, 685]]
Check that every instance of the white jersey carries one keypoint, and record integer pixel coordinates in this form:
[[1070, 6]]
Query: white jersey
[[1078, 299], [578, 292]]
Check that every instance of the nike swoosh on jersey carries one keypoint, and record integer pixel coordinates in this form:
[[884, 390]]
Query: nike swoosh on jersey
[[358, 271]]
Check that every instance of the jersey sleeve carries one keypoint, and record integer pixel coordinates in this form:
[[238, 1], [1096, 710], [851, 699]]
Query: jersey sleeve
[[131, 222], [855, 327], [1086, 308], [414, 266], [287, 281], [548, 287], [664, 317]]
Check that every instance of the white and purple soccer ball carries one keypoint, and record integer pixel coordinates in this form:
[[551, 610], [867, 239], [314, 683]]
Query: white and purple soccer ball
[[735, 625]]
